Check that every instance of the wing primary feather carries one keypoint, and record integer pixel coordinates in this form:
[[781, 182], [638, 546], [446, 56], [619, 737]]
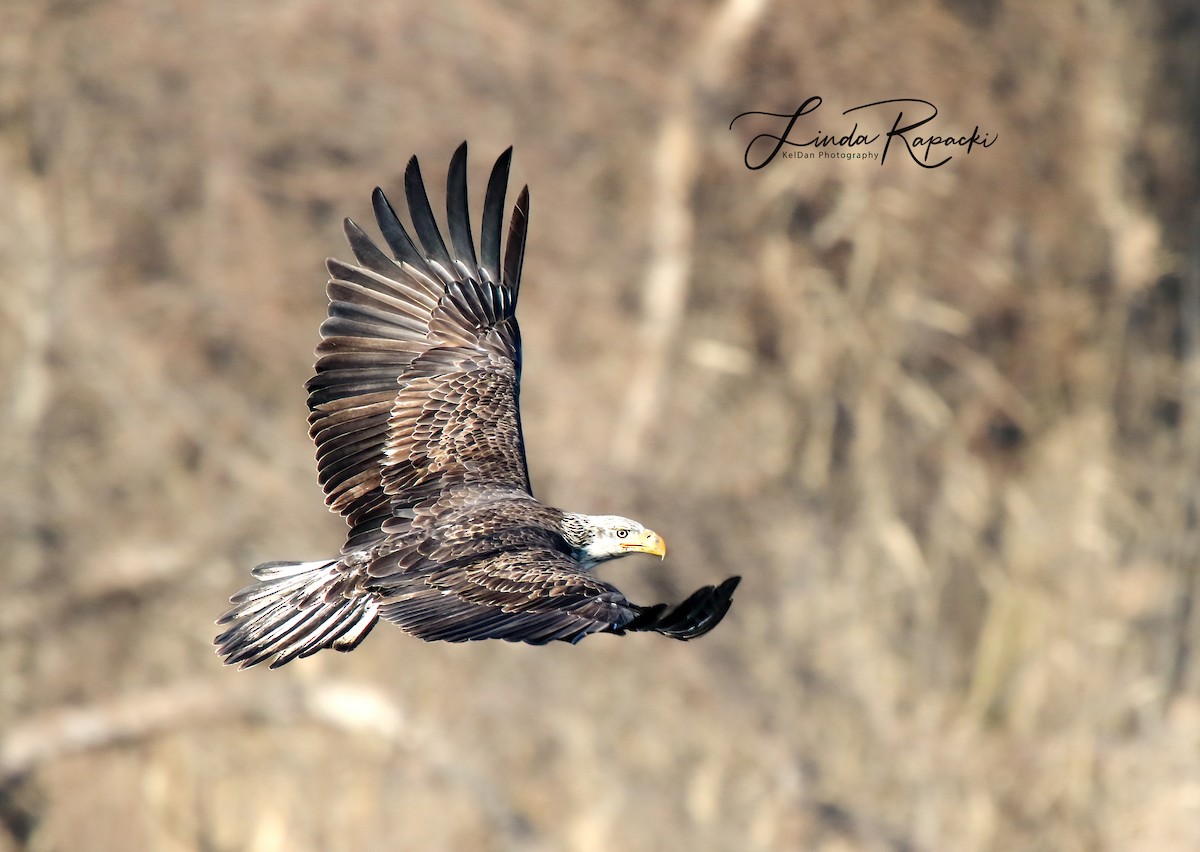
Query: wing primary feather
[[336, 384], [458, 216], [345, 291], [366, 252], [353, 410], [350, 342], [493, 216], [337, 325], [348, 445], [393, 231], [419, 292], [422, 215], [514, 252]]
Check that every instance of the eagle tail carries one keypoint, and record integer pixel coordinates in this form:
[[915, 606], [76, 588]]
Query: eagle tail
[[700, 613], [294, 610]]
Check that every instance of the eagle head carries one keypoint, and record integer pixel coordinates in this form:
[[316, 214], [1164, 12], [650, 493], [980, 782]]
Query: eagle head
[[595, 538]]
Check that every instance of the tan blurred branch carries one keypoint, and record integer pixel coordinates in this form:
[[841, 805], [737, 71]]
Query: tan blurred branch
[[139, 715], [674, 175], [341, 706], [59, 733]]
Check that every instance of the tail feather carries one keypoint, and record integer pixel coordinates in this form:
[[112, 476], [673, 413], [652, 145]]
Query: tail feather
[[295, 610]]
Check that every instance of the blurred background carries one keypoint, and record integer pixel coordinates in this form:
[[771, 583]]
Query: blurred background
[[946, 424]]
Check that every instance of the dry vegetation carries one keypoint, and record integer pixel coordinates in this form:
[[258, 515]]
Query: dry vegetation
[[947, 424]]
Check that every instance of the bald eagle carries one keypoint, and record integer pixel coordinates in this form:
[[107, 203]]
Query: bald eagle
[[414, 411]]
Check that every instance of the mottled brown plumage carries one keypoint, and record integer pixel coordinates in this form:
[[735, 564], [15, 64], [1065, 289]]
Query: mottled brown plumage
[[415, 414]]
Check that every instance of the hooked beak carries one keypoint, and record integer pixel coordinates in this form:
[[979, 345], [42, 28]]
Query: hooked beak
[[649, 542]]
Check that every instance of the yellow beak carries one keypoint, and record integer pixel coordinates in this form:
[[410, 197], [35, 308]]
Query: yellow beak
[[649, 542]]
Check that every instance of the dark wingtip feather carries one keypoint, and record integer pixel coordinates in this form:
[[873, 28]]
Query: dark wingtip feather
[[458, 217], [365, 251], [646, 618], [493, 215], [393, 231], [701, 612], [423, 220], [514, 252]]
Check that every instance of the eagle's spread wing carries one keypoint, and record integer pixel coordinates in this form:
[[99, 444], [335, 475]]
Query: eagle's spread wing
[[417, 375], [535, 596], [501, 572]]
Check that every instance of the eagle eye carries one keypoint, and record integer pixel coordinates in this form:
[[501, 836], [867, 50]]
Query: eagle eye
[[622, 533]]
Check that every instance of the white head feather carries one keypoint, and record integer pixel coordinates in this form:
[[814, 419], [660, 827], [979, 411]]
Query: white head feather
[[596, 538]]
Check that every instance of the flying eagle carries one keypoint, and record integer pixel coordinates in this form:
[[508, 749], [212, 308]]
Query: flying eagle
[[414, 411]]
